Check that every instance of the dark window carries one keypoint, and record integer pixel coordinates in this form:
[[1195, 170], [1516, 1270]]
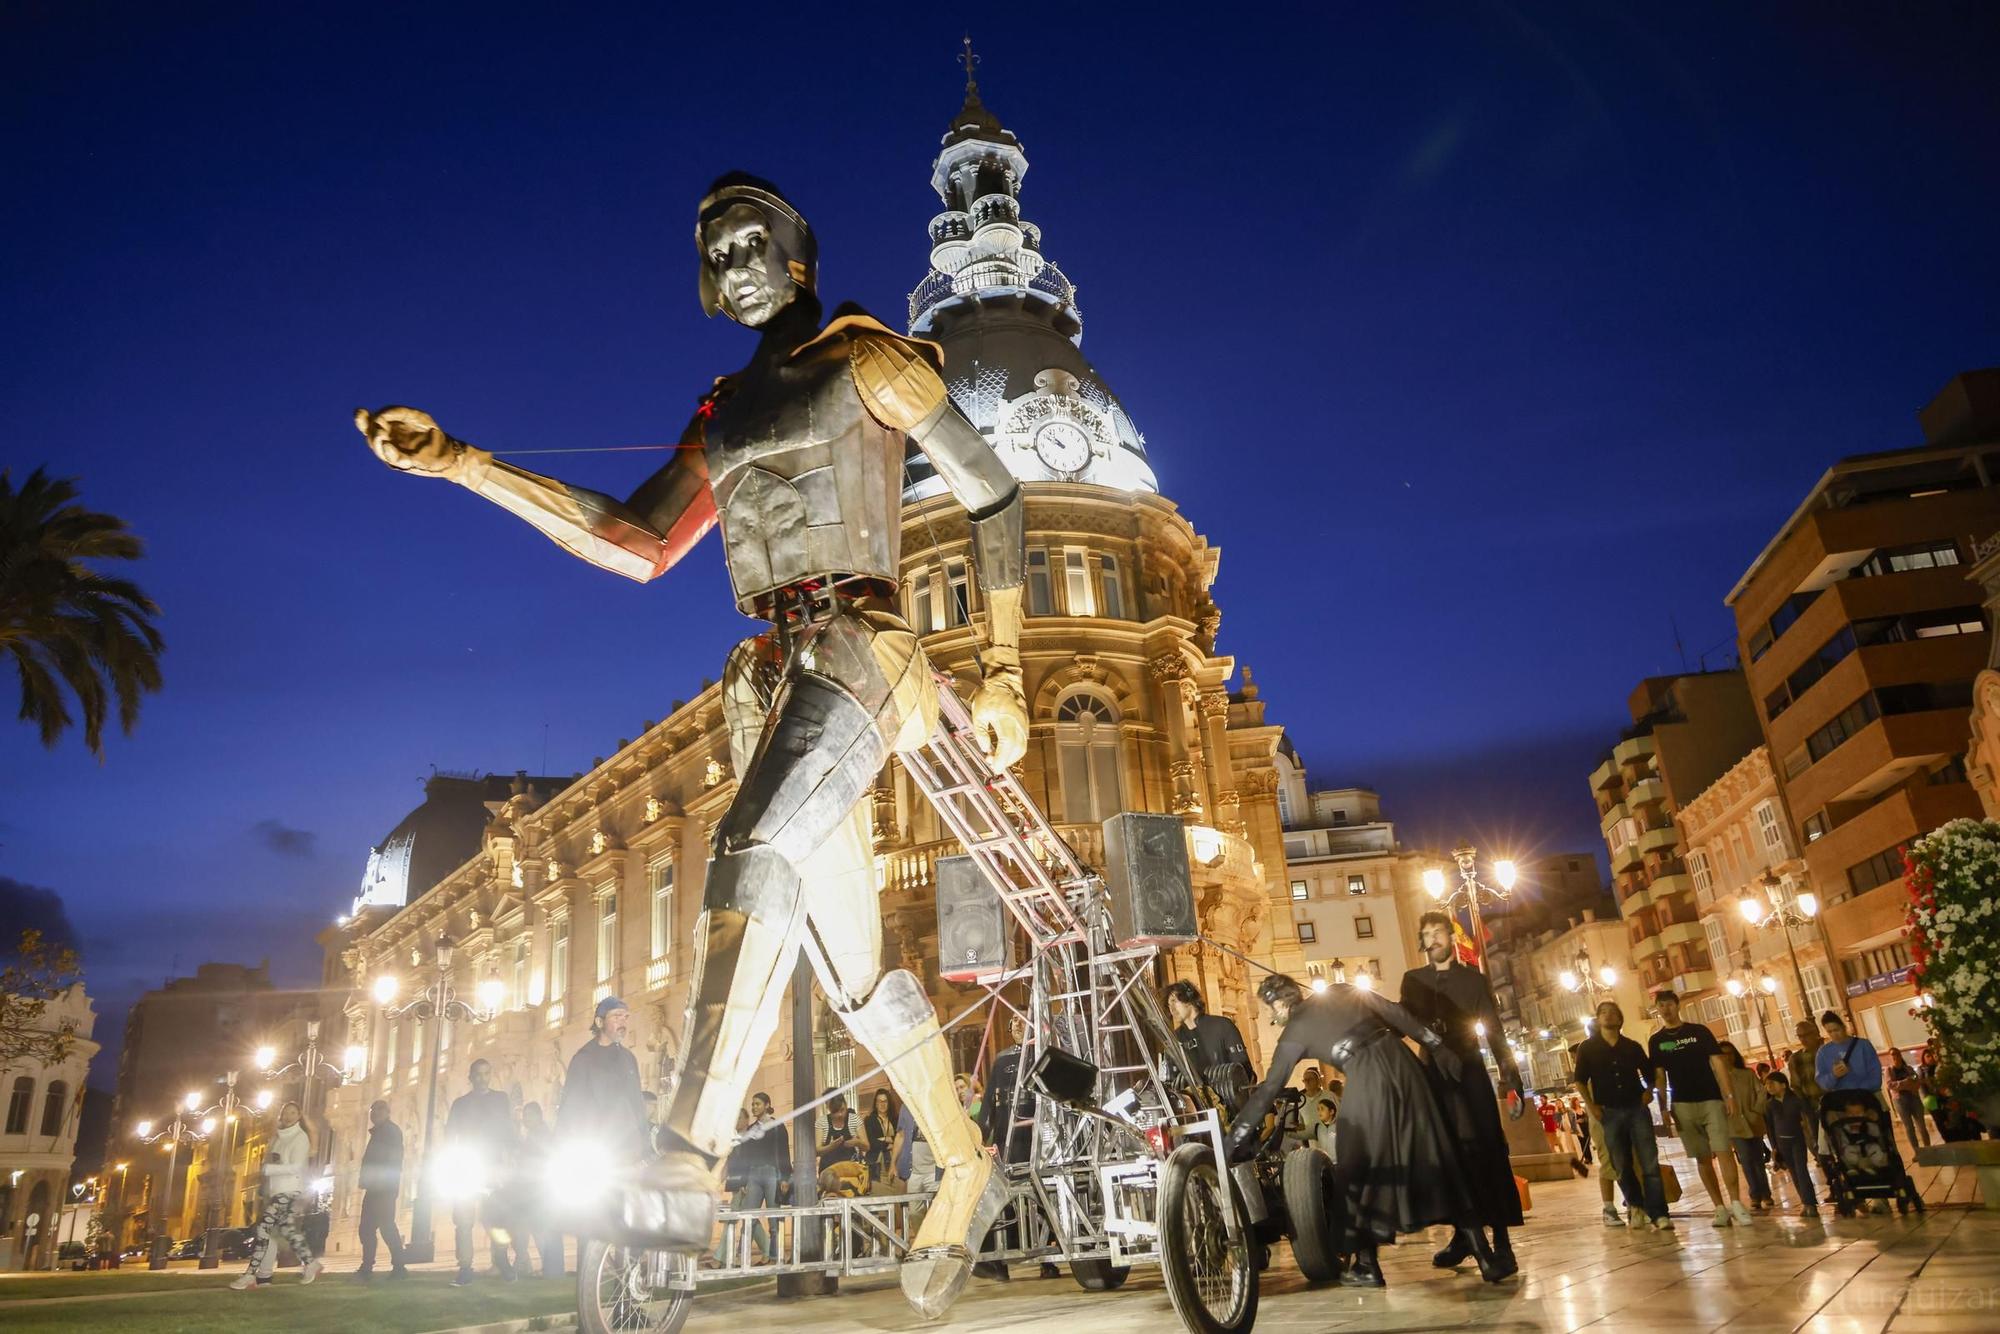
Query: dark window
[[54, 1104], [1815, 826], [1307, 933], [1850, 720], [1041, 597], [1788, 612], [1925, 696], [1760, 642], [1777, 702], [1883, 867], [18, 1104], [1953, 771], [1820, 663]]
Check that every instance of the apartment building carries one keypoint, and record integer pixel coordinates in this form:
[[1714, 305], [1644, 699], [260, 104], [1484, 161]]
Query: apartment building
[[1686, 732], [1861, 637], [1356, 893]]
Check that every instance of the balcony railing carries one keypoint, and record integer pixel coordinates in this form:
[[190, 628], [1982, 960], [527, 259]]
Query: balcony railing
[[992, 276], [1212, 856], [656, 974]]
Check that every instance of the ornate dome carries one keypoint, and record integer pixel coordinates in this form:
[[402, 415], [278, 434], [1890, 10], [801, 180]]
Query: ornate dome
[[1008, 321]]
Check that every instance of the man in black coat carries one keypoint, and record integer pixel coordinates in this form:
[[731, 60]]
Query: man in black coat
[[1456, 1003], [381, 1181]]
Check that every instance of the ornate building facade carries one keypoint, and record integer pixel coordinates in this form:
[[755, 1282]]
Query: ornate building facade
[[43, 1103], [595, 890]]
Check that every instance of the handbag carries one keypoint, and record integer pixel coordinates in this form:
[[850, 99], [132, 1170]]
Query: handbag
[[1670, 1183]]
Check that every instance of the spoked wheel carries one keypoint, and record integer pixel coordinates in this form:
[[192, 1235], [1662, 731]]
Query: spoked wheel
[[1211, 1278], [620, 1290]]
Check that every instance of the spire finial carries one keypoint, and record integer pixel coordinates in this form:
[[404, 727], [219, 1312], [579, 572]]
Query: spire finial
[[969, 60]]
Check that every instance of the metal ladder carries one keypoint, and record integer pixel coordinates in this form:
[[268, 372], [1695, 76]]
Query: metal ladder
[[1079, 1166]]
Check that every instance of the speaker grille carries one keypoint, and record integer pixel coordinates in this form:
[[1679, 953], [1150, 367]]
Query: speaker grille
[[973, 939]]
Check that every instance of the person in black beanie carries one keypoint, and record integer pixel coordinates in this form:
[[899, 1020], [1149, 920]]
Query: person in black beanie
[[1394, 1156]]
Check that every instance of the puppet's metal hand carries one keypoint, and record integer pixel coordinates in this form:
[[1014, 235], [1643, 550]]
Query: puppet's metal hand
[[410, 440], [1000, 716]]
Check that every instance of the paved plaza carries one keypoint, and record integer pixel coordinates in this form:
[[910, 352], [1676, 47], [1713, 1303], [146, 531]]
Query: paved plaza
[[1866, 1275]]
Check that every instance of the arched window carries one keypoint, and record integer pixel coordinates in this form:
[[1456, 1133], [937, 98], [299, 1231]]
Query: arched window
[[1088, 759], [18, 1105], [54, 1104]]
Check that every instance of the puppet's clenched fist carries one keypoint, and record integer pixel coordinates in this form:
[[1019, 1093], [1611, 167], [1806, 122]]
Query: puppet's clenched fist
[[410, 440], [1000, 717]]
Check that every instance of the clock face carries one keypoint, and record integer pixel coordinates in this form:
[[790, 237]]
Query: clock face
[[1062, 446]]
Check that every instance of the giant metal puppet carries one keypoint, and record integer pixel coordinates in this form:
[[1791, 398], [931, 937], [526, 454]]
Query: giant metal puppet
[[800, 457]]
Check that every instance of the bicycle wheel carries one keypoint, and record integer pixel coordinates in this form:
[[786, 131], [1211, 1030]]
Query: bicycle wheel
[[620, 1290], [1211, 1279]]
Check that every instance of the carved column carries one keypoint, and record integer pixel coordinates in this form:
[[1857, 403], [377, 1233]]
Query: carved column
[[1171, 671], [1221, 771]]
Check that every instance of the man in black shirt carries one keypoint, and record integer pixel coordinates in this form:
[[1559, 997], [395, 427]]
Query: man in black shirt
[[601, 1101], [1213, 1044], [1456, 1003], [1613, 1075], [1686, 1058], [381, 1180], [482, 1123]]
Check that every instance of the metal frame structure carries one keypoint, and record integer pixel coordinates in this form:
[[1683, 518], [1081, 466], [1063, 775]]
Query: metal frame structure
[[1088, 1189]]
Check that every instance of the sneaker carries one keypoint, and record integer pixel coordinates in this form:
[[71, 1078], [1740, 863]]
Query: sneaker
[[1635, 1216], [1663, 1224], [246, 1281], [1723, 1217], [462, 1281], [1739, 1213], [310, 1272], [1612, 1218]]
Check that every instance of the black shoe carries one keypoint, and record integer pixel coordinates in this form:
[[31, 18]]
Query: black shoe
[[1455, 1253], [1365, 1272], [1494, 1265], [365, 1275], [399, 1272], [1050, 1271], [992, 1269], [464, 1280]]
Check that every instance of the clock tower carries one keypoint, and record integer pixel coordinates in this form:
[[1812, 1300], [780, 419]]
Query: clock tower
[[1009, 323]]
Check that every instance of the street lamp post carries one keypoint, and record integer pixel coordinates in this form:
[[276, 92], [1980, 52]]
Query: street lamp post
[[1469, 889], [437, 1004], [1761, 986], [177, 1131], [1581, 979], [230, 1109], [1784, 908]]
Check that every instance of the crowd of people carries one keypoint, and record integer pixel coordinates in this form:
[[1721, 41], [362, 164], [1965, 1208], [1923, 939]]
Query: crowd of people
[[1421, 1142]]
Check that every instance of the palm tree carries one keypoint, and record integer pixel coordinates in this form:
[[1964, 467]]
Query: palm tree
[[61, 621]]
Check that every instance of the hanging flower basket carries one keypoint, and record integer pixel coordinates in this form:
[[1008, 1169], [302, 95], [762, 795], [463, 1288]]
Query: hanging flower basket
[[1953, 877]]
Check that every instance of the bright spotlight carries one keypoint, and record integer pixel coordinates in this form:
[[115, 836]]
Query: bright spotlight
[[1434, 882], [1479, 1027], [1809, 904], [1363, 980], [1506, 873], [385, 988], [1735, 987], [267, 1056], [1319, 985], [1607, 975], [264, 1100], [490, 993], [208, 1125], [192, 1102], [1569, 979], [1752, 910], [357, 1058], [143, 1129]]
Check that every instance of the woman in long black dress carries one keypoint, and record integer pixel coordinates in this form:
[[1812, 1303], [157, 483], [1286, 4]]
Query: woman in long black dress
[[1395, 1157]]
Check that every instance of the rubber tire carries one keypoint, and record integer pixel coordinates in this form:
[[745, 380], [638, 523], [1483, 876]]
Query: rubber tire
[[1096, 1275], [590, 1316], [1183, 1164], [1317, 1220]]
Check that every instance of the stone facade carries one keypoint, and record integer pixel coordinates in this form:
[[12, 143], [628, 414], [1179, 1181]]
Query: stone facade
[[39, 1109]]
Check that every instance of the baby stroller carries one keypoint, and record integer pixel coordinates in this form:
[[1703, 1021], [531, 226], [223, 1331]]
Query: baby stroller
[[1861, 1161]]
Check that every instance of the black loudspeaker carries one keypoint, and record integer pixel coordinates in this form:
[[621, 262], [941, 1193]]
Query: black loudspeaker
[[1067, 1079], [973, 939], [1146, 871]]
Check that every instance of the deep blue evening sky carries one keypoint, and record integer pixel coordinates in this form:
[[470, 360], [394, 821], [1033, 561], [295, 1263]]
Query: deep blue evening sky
[[1489, 342]]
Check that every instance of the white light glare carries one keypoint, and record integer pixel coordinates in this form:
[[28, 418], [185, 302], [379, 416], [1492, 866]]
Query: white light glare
[[385, 988], [1319, 985], [458, 1173], [1434, 882], [267, 1056], [1506, 873], [1364, 981]]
